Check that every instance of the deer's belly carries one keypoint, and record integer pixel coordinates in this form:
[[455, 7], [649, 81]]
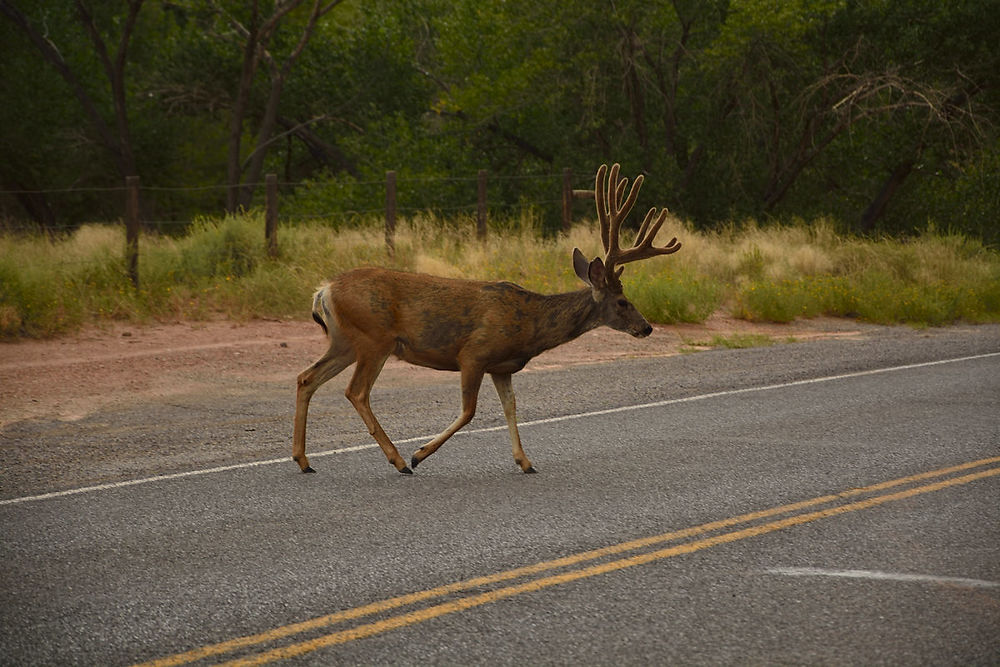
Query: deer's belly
[[447, 360], [507, 366], [426, 358]]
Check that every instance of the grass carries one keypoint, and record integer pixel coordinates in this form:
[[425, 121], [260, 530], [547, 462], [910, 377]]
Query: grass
[[219, 268], [733, 342]]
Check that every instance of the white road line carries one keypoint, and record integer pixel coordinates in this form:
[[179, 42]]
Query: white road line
[[734, 392], [490, 429], [876, 574]]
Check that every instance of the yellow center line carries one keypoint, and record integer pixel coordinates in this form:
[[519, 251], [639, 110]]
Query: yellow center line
[[461, 604], [573, 559]]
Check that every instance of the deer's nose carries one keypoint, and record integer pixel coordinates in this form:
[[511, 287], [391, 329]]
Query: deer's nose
[[646, 330]]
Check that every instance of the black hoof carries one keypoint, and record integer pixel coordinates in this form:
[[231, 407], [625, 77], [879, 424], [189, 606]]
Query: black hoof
[[414, 462], [406, 471], [530, 471], [308, 469]]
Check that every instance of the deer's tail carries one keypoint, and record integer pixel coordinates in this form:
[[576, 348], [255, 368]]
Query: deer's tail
[[321, 312]]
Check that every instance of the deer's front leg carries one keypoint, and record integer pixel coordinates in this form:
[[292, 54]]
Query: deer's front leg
[[505, 389], [471, 381]]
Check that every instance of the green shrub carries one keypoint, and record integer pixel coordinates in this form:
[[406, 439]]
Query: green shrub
[[220, 268]]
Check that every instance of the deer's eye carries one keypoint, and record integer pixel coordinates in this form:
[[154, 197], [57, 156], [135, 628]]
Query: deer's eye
[[622, 303]]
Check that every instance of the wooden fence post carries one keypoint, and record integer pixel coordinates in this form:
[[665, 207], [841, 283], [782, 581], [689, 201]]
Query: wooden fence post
[[132, 229], [481, 206], [567, 199], [271, 215], [390, 212]]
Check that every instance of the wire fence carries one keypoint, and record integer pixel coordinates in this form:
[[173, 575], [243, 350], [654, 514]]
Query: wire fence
[[138, 205], [300, 201]]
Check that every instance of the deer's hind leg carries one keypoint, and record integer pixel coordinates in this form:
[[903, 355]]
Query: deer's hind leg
[[370, 363], [339, 355]]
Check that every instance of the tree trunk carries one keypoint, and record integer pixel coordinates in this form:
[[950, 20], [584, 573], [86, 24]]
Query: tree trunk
[[233, 171], [877, 207], [35, 204], [257, 39], [114, 69], [809, 146], [635, 94], [118, 143], [323, 151], [520, 142], [255, 163]]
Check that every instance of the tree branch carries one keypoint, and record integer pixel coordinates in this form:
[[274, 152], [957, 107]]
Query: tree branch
[[52, 55]]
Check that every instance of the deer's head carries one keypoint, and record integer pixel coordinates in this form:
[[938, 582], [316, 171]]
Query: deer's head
[[603, 277]]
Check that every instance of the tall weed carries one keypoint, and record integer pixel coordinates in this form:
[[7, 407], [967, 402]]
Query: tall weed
[[220, 268]]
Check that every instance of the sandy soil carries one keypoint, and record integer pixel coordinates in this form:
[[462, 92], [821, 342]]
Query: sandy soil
[[72, 377]]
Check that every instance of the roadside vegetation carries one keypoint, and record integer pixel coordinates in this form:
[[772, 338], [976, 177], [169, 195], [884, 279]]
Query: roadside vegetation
[[219, 268], [881, 115], [853, 124]]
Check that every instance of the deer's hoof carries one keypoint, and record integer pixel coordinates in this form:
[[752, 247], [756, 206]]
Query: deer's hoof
[[308, 469], [414, 462], [406, 471], [530, 471]]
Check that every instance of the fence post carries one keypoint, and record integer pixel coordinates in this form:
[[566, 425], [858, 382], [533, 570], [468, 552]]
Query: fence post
[[481, 206], [390, 212], [132, 229], [271, 215], [567, 199]]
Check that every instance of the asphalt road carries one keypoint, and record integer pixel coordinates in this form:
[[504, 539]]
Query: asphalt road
[[833, 502]]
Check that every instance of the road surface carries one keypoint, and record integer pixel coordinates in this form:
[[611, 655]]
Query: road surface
[[824, 502]]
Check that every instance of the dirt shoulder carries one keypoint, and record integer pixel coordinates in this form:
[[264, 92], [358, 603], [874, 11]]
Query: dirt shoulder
[[72, 377]]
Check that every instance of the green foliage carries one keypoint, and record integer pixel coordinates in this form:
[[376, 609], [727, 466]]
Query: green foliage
[[669, 297], [732, 342], [930, 280], [230, 247], [734, 109], [53, 287]]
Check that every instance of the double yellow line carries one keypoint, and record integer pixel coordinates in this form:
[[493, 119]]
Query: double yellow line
[[836, 504]]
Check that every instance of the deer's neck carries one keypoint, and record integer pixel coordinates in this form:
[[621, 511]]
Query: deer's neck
[[564, 317]]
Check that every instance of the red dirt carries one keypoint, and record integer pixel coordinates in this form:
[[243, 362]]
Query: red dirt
[[71, 377]]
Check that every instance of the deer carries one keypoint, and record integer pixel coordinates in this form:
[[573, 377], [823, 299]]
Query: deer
[[469, 326]]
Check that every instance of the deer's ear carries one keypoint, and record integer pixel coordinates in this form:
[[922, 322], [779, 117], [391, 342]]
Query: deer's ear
[[581, 266], [591, 272], [597, 274]]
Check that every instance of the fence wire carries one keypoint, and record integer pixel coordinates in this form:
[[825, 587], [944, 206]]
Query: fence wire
[[295, 212], [150, 204]]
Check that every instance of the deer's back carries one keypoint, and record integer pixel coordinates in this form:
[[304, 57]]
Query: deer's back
[[434, 321]]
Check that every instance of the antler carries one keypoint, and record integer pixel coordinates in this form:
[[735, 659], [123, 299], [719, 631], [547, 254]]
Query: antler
[[612, 211]]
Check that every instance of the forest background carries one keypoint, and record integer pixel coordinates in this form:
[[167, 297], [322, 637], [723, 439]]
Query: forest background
[[878, 115], [820, 157]]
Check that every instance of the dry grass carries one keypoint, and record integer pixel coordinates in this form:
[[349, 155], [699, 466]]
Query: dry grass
[[219, 268]]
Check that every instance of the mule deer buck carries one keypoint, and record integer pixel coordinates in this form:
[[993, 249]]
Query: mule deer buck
[[469, 326]]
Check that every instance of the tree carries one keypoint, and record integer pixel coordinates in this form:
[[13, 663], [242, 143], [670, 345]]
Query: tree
[[732, 108], [112, 134], [257, 32], [116, 141]]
